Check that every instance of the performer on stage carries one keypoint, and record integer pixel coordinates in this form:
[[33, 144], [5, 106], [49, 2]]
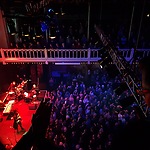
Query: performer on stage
[[17, 121]]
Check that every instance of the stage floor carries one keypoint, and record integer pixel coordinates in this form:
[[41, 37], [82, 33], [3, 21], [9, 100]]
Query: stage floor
[[7, 133]]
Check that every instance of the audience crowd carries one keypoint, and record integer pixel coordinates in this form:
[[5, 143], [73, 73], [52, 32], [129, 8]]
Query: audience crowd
[[73, 35], [66, 36], [86, 113]]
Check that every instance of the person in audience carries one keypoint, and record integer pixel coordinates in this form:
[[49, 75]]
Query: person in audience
[[38, 45]]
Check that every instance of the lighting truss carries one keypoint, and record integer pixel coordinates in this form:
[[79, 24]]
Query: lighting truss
[[130, 78]]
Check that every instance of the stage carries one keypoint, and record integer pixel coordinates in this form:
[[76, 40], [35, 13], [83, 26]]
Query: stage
[[7, 133]]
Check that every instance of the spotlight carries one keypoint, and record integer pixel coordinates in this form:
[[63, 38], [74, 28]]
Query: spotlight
[[50, 13], [103, 63], [50, 10]]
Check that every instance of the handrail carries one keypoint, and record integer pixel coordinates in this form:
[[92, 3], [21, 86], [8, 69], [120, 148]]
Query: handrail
[[59, 55], [49, 55]]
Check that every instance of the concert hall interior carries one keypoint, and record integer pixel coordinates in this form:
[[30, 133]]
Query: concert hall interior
[[70, 74]]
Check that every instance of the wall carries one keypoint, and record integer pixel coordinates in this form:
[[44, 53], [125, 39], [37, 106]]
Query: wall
[[3, 32]]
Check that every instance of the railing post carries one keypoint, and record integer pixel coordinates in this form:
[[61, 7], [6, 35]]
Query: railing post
[[3, 56], [45, 52], [89, 54]]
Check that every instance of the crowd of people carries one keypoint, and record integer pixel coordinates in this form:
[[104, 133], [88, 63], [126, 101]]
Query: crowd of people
[[85, 112], [66, 37], [86, 116], [72, 35]]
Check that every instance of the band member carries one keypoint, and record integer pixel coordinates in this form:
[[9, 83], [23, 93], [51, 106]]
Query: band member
[[34, 90], [17, 121], [12, 86]]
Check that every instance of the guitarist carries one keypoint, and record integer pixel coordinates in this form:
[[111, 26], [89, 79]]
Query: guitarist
[[17, 121]]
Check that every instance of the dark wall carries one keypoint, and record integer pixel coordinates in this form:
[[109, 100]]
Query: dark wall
[[9, 72]]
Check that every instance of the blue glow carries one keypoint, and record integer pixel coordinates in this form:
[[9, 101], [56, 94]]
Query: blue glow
[[44, 26], [50, 10]]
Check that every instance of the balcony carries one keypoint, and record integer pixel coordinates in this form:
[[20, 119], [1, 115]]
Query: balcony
[[66, 56]]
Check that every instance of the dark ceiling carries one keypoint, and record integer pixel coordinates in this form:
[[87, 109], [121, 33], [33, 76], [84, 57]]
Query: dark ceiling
[[112, 10], [37, 7]]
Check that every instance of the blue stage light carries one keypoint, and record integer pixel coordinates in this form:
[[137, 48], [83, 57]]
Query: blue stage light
[[50, 10]]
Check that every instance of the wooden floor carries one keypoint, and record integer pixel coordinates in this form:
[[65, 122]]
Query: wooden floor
[[7, 133]]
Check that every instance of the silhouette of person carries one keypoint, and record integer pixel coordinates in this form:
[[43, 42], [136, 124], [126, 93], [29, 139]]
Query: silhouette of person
[[17, 121]]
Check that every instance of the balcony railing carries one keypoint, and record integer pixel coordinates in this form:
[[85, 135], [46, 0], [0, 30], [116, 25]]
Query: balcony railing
[[60, 55]]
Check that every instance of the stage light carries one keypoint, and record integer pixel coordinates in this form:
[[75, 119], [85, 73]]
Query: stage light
[[50, 13], [148, 15], [50, 10], [105, 59]]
